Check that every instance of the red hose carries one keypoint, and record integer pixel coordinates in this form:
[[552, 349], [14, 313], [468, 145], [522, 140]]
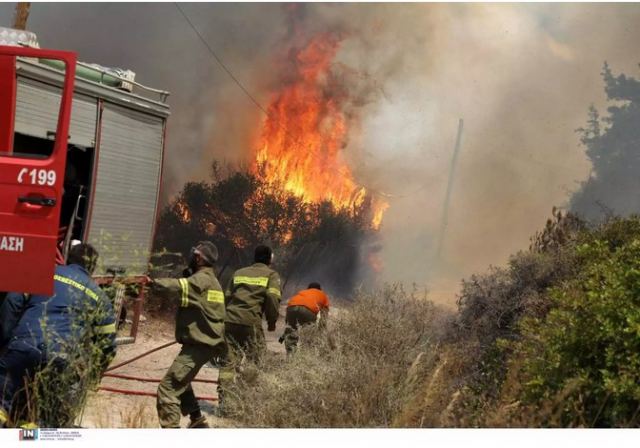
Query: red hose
[[152, 380], [146, 394], [124, 363]]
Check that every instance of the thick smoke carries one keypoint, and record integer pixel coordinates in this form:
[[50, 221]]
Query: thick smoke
[[521, 76], [211, 117]]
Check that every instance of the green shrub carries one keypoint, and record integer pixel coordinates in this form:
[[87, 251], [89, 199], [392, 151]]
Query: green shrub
[[492, 305], [587, 348]]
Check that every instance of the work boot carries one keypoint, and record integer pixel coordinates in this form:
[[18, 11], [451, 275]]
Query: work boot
[[200, 422]]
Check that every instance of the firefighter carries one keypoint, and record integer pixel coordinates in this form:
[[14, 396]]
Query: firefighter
[[254, 291], [303, 309], [68, 338], [200, 330]]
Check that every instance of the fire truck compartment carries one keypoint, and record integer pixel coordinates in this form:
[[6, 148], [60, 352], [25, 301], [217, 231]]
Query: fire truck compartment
[[114, 159]]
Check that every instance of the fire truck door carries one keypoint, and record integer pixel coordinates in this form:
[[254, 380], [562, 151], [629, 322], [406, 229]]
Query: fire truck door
[[31, 181]]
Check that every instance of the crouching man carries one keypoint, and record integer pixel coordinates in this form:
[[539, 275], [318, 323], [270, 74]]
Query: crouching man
[[200, 330], [303, 309], [66, 340]]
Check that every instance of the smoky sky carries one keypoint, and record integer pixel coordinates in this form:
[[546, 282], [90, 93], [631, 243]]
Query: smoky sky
[[522, 77]]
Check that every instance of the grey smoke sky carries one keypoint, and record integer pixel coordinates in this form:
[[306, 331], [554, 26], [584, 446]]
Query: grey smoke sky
[[521, 75]]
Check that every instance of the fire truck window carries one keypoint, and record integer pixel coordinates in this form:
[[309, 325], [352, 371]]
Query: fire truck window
[[32, 108], [31, 147]]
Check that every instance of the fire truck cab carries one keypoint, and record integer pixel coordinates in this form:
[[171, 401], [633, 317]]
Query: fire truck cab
[[81, 152]]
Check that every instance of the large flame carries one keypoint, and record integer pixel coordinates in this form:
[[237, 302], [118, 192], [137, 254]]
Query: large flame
[[306, 130]]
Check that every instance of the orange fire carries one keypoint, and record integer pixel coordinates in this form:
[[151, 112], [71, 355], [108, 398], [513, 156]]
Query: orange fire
[[183, 210], [305, 132]]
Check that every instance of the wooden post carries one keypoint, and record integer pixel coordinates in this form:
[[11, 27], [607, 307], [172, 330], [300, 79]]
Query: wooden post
[[447, 199], [22, 15]]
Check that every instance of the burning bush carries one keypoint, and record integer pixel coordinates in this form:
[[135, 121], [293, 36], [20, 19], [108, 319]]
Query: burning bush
[[299, 193], [307, 127], [240, 210]]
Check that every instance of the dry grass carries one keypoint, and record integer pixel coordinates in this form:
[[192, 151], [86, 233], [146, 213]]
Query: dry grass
[[360, 372], [138, 416]]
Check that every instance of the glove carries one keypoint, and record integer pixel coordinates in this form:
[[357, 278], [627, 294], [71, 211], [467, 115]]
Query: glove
[[147, 286], [271, 327]]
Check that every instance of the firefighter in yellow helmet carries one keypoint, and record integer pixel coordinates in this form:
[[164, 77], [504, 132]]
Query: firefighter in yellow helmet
[[200, 330], [253, 292]]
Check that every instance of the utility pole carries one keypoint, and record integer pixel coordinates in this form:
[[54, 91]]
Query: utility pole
[[447, 199], [22, 15]]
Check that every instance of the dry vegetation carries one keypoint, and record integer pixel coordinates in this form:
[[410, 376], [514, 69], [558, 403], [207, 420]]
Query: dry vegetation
[[359, 372], [550, 340]]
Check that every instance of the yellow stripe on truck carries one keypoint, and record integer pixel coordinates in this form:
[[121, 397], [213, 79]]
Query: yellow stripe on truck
[[254, 281]]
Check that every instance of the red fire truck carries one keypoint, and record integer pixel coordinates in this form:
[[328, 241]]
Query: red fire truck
[[81, 152]]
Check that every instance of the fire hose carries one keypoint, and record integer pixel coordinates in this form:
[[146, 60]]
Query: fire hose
[[124, 363], [142, 379], [144, 393], [152, 380]]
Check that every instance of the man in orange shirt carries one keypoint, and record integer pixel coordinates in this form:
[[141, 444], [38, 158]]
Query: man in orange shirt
[[303, 309]]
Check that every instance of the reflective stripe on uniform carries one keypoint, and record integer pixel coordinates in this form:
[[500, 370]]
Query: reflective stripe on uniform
[[106, 329], [4, 416], [91, 294], [255, 281], [75, 284], [184, 284], [275, 292], [215, 296]]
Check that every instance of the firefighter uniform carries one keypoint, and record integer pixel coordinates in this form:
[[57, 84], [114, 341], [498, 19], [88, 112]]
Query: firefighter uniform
[[200, 330], [302, 309], [253, 291], [40, 331]]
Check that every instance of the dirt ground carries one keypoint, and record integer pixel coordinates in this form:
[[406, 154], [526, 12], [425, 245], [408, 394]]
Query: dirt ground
[[114, 410]]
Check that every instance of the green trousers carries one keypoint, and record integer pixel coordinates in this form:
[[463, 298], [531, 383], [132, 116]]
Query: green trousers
[[175, 394], [299, 315], [245, 339], [296, 317], [241, 340]]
